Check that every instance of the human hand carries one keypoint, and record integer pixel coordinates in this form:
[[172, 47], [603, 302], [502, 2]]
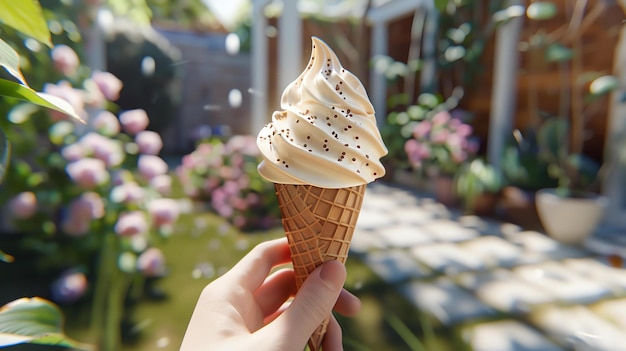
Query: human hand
[[245, 309]]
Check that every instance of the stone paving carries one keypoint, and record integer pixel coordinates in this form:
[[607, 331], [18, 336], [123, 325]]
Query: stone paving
[[504, 288]]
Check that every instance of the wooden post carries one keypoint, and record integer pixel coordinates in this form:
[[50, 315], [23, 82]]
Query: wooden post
[[259, 64], [503, 97]]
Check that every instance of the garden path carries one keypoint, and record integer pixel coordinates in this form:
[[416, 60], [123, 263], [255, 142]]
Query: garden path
[[499, 286]]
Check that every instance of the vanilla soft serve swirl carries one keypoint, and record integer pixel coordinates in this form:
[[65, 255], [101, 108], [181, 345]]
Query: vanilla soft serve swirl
[[326, 135]]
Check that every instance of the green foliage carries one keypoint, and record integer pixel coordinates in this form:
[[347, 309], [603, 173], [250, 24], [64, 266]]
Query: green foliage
[[26, 18], [33, 320], [477, 178], [21, 92], [190, 14], [5, 155], [574, 172], [562, 133], [521, 164], [10, 60], [401, 122], [541, 10]]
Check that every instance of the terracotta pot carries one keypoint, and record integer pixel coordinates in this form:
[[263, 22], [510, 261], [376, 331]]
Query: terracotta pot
[[443, 188], [570, 220], [485, 204], [518, 207]]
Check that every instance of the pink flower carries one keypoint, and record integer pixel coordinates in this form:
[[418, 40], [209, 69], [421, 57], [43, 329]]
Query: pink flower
[[163, 211], [244, 144], [464, 130], [149, 142], [89, 205], [93, 96], [131, 223], [73, 152], [459, 156], [88, 172], [421, 129], [23, 205], [151, 263], [127, 193], [103, 148], [151, 166], [455, 123], [439, 136], [122, 176], [162, 184], [416, 151], [75, 226], [106, 123], [65, 59], [239, 221], [455, 141], [69, 287], [109, 85], [134, 121], [441, 118], [65, 91], [253, 199], [219, 202]]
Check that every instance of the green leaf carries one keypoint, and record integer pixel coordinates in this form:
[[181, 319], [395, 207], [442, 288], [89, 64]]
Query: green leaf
[[27, 17], [18, 91], [32, 320], [5, 156], [441, 5], [552, 136], [508, 13], [10, 60], [541, 10], [5, 257], [603, 85], [558, 53]]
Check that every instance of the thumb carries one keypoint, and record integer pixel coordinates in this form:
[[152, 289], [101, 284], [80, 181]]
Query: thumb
[[312, 304]]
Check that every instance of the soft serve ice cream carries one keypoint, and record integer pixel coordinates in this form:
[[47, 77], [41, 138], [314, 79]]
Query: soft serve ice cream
[[326, 134]]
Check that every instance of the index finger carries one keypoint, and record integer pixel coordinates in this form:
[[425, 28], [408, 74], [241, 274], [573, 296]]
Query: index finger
[[253, 268]]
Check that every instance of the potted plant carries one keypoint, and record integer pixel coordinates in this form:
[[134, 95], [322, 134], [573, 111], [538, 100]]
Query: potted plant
[[524, 174], [571, 211], [478, 184], [439, 146]]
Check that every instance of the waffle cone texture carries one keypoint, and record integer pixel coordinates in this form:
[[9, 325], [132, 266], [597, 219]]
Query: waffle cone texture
[[319, 224]]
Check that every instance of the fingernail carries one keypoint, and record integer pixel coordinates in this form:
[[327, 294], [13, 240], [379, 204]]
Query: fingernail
[[330, 276]]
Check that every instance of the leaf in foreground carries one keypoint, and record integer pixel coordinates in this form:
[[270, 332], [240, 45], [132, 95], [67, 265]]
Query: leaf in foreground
[[33, 320], [27, 17], [5, 156], [10, 60], [18, 91], [5, 257]]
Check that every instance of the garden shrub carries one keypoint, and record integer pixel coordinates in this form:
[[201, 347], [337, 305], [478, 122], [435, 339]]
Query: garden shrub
[[224, 176], [89, 200]]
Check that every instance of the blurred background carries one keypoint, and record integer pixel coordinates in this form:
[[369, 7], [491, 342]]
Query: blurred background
[[498, 226]]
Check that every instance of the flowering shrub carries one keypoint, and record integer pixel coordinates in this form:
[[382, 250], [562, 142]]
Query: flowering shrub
[[224, 175], [90, 199], [442, 144]]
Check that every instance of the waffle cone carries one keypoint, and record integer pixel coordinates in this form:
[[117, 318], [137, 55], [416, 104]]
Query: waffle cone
[[319, 223]]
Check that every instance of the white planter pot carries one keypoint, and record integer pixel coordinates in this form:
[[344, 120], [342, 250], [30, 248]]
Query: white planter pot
[[569, 220]]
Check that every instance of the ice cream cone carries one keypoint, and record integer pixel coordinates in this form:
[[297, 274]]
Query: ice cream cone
[[319, 223]]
